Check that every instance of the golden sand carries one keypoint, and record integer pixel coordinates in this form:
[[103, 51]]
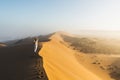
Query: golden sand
[[60, 62]]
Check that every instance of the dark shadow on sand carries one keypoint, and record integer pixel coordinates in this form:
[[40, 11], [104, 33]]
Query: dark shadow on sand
[[19, 63]]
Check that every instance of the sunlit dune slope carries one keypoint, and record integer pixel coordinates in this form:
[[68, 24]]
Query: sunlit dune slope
[[60, 62]]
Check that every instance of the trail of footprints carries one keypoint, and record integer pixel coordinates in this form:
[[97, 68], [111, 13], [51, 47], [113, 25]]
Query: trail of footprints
[[37, 71]]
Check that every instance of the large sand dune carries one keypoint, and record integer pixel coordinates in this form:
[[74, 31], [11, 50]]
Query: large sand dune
[[60, 62]]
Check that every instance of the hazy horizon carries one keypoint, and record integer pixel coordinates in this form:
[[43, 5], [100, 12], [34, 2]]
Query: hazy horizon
[[34, 17]]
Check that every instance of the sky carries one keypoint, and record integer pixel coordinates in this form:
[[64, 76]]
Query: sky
[[21, 18]]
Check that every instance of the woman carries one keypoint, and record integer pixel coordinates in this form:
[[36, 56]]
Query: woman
[[35, 44]]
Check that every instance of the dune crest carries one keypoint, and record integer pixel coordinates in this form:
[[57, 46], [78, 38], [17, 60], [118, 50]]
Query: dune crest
[[60, 62]]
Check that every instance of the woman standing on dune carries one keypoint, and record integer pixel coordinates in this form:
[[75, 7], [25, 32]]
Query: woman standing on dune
[[35, 44]]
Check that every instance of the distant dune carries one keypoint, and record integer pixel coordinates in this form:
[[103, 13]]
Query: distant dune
[[3, 45], [93, 44], [61, 62]]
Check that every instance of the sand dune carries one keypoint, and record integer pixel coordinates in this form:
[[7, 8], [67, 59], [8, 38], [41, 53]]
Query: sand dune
[[60, 62], [59, 59]]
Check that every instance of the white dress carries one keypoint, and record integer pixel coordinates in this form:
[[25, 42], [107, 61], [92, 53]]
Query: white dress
[[36, 46]]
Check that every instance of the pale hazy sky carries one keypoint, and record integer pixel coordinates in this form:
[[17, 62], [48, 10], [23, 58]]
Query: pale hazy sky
[[30, 17]]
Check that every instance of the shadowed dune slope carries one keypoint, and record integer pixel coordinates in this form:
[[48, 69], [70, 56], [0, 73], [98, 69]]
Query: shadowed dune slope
[[19, 63], [60, 62]]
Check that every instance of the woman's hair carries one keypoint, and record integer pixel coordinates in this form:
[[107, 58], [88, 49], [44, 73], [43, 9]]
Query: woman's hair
[[35, 38]]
